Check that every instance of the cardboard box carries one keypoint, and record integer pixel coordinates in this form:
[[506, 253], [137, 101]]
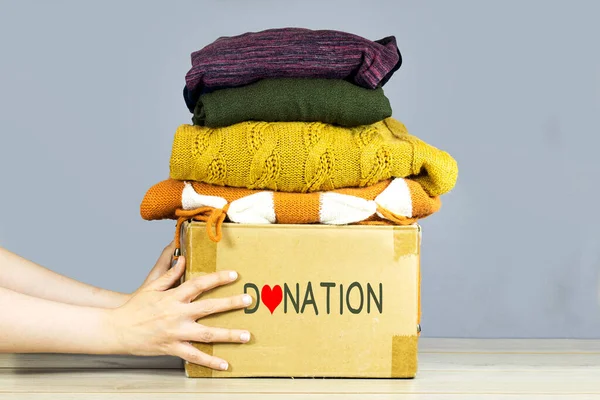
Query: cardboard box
[[329, 301]]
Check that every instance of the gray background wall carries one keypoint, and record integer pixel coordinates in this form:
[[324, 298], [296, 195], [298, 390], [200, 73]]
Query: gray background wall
[[90, 97]]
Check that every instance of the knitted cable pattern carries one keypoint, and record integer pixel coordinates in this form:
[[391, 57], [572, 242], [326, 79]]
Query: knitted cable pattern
[[308, 156]]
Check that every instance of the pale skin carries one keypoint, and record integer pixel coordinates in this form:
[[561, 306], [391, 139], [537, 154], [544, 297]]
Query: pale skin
[[67, 316]]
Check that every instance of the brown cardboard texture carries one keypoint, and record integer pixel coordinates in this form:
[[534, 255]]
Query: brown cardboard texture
[[329, 301]]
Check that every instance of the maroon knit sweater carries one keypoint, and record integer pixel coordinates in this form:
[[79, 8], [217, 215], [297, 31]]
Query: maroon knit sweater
[[291, 53]]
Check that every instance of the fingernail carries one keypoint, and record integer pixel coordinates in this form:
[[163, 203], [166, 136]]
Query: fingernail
[[244, 337], [233, 275], [176, 262], [224, 366], [247, 300]]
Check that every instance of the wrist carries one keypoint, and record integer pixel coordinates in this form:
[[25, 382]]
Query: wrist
[[119, 299], [113, 331]]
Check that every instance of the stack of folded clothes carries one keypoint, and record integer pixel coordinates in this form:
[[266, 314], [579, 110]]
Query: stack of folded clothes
[[292, 126]]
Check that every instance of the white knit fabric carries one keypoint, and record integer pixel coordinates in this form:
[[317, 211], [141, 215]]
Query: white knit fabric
[[258, 208], [341, 209], [396, 198], [335, 208], [191, 200]]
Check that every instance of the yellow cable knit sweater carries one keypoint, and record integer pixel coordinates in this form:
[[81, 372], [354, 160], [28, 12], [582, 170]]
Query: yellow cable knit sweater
[[308, 156]]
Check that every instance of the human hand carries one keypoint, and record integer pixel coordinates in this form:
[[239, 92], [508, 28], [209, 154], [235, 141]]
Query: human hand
[[162, 265], [158, 320]]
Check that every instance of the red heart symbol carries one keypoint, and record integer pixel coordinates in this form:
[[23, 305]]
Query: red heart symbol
[[271, 297]]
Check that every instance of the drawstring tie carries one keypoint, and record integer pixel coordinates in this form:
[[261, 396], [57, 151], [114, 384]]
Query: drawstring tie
[[212, 216]]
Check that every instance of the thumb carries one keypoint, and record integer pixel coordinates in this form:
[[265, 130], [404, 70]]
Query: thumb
[[168, 279], [162, 264]]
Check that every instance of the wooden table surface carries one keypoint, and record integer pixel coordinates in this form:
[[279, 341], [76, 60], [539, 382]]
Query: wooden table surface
[[448, 369]]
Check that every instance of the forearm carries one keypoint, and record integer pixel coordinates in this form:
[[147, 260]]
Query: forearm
[[32, 325], [26, 277]]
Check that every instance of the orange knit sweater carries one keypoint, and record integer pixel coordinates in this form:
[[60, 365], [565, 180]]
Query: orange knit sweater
[[398, 201]]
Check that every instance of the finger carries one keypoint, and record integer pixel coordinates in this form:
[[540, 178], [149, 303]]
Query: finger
[[190, 289], [191, 354], [162, 264], [207, 334], [202, 308], [169, 278]]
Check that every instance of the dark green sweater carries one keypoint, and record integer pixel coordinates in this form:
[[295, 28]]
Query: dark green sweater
[[331, 101]]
